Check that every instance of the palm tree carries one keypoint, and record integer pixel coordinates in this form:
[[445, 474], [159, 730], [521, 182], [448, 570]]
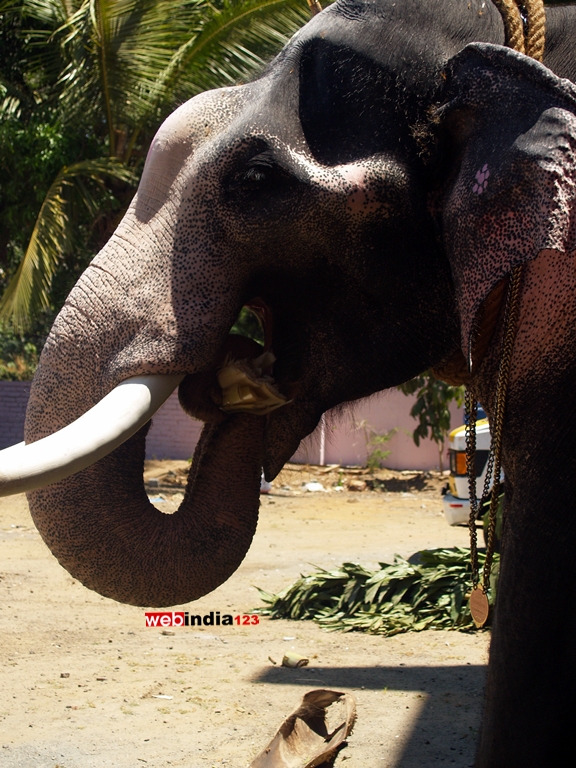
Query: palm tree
[[118, 67]]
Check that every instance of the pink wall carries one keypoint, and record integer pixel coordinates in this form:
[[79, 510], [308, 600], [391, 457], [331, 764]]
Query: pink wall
[[173, 435], [346, 441]]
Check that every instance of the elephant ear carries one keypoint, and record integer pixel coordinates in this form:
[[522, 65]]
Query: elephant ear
[[510, 130]]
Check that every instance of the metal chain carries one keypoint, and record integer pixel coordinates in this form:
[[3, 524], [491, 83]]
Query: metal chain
[[494, 466], [529, 39], [471, 411], [471, 416]]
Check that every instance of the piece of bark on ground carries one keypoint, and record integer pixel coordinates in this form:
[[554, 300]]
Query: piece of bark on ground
[[313, 734]]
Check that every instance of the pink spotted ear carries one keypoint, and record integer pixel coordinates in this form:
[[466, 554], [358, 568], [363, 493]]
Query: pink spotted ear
[[510, 127]]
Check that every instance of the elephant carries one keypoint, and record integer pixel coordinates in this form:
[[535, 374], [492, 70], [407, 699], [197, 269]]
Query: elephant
[[368, 196]]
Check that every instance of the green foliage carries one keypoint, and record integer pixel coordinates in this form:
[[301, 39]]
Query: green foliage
[[399, 597], [248, 324], [432, 407], [18, 356], [375, 455], [84, 85], [52, 237]]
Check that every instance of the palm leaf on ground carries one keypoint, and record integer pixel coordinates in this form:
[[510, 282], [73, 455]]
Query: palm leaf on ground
[[398, 597]]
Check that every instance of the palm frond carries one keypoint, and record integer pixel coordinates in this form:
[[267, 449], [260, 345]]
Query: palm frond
[[42, 21], [10, 101], [29, 290], [49, 13], [118, 67], [398, 597], [142, 57], [231, 47]]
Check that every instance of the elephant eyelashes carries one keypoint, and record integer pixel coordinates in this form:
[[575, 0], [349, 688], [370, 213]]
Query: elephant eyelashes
[[256, 176]]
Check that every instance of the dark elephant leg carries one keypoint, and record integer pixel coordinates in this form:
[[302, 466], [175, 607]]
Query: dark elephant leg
[[530, 706]]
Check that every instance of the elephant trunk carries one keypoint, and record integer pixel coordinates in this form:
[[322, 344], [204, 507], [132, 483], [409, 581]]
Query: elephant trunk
[[102, 528], [158, 301]]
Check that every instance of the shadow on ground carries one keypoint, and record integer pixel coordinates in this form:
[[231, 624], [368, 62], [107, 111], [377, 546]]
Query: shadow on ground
[[452, 704]]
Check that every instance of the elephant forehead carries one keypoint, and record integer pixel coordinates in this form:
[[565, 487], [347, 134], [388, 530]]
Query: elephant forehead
[[354, 173], [195, 120], [177, 143]]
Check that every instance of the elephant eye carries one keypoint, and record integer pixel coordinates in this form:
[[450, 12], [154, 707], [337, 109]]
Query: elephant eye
[[253, 178], [260, 183], [256, 175]]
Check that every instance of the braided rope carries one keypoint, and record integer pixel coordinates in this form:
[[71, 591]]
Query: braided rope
[[513, 24], [529, 40], [536, 33], [314, 7]]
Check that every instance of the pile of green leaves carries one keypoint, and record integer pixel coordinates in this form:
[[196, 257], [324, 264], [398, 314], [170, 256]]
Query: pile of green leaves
[[398, 597]]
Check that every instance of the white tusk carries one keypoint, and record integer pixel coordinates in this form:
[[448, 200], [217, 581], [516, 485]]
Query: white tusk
[[118, 416]]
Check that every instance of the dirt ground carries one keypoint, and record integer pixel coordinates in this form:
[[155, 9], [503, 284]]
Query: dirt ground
[[85, 684]]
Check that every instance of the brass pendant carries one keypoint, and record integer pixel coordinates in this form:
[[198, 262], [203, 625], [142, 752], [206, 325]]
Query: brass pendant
[[479, 607]]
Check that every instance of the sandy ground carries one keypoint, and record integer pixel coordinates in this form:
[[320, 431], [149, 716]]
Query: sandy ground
[[86, 685]]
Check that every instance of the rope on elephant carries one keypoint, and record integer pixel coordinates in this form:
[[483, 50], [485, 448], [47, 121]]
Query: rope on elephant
[[536, 33], [314, 7], [529, 37]]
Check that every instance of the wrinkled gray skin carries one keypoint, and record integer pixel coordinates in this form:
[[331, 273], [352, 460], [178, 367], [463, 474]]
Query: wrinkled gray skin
[[317, 188]]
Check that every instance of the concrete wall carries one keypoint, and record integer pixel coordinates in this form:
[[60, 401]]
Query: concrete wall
[[173, 435], [346, 434]]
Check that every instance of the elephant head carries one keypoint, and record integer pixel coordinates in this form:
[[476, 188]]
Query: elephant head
[[324, 196], [250, 196], [368, 196]]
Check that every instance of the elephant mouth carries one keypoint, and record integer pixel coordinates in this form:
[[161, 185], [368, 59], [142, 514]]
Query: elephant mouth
[[242, 378], [241, 381]]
